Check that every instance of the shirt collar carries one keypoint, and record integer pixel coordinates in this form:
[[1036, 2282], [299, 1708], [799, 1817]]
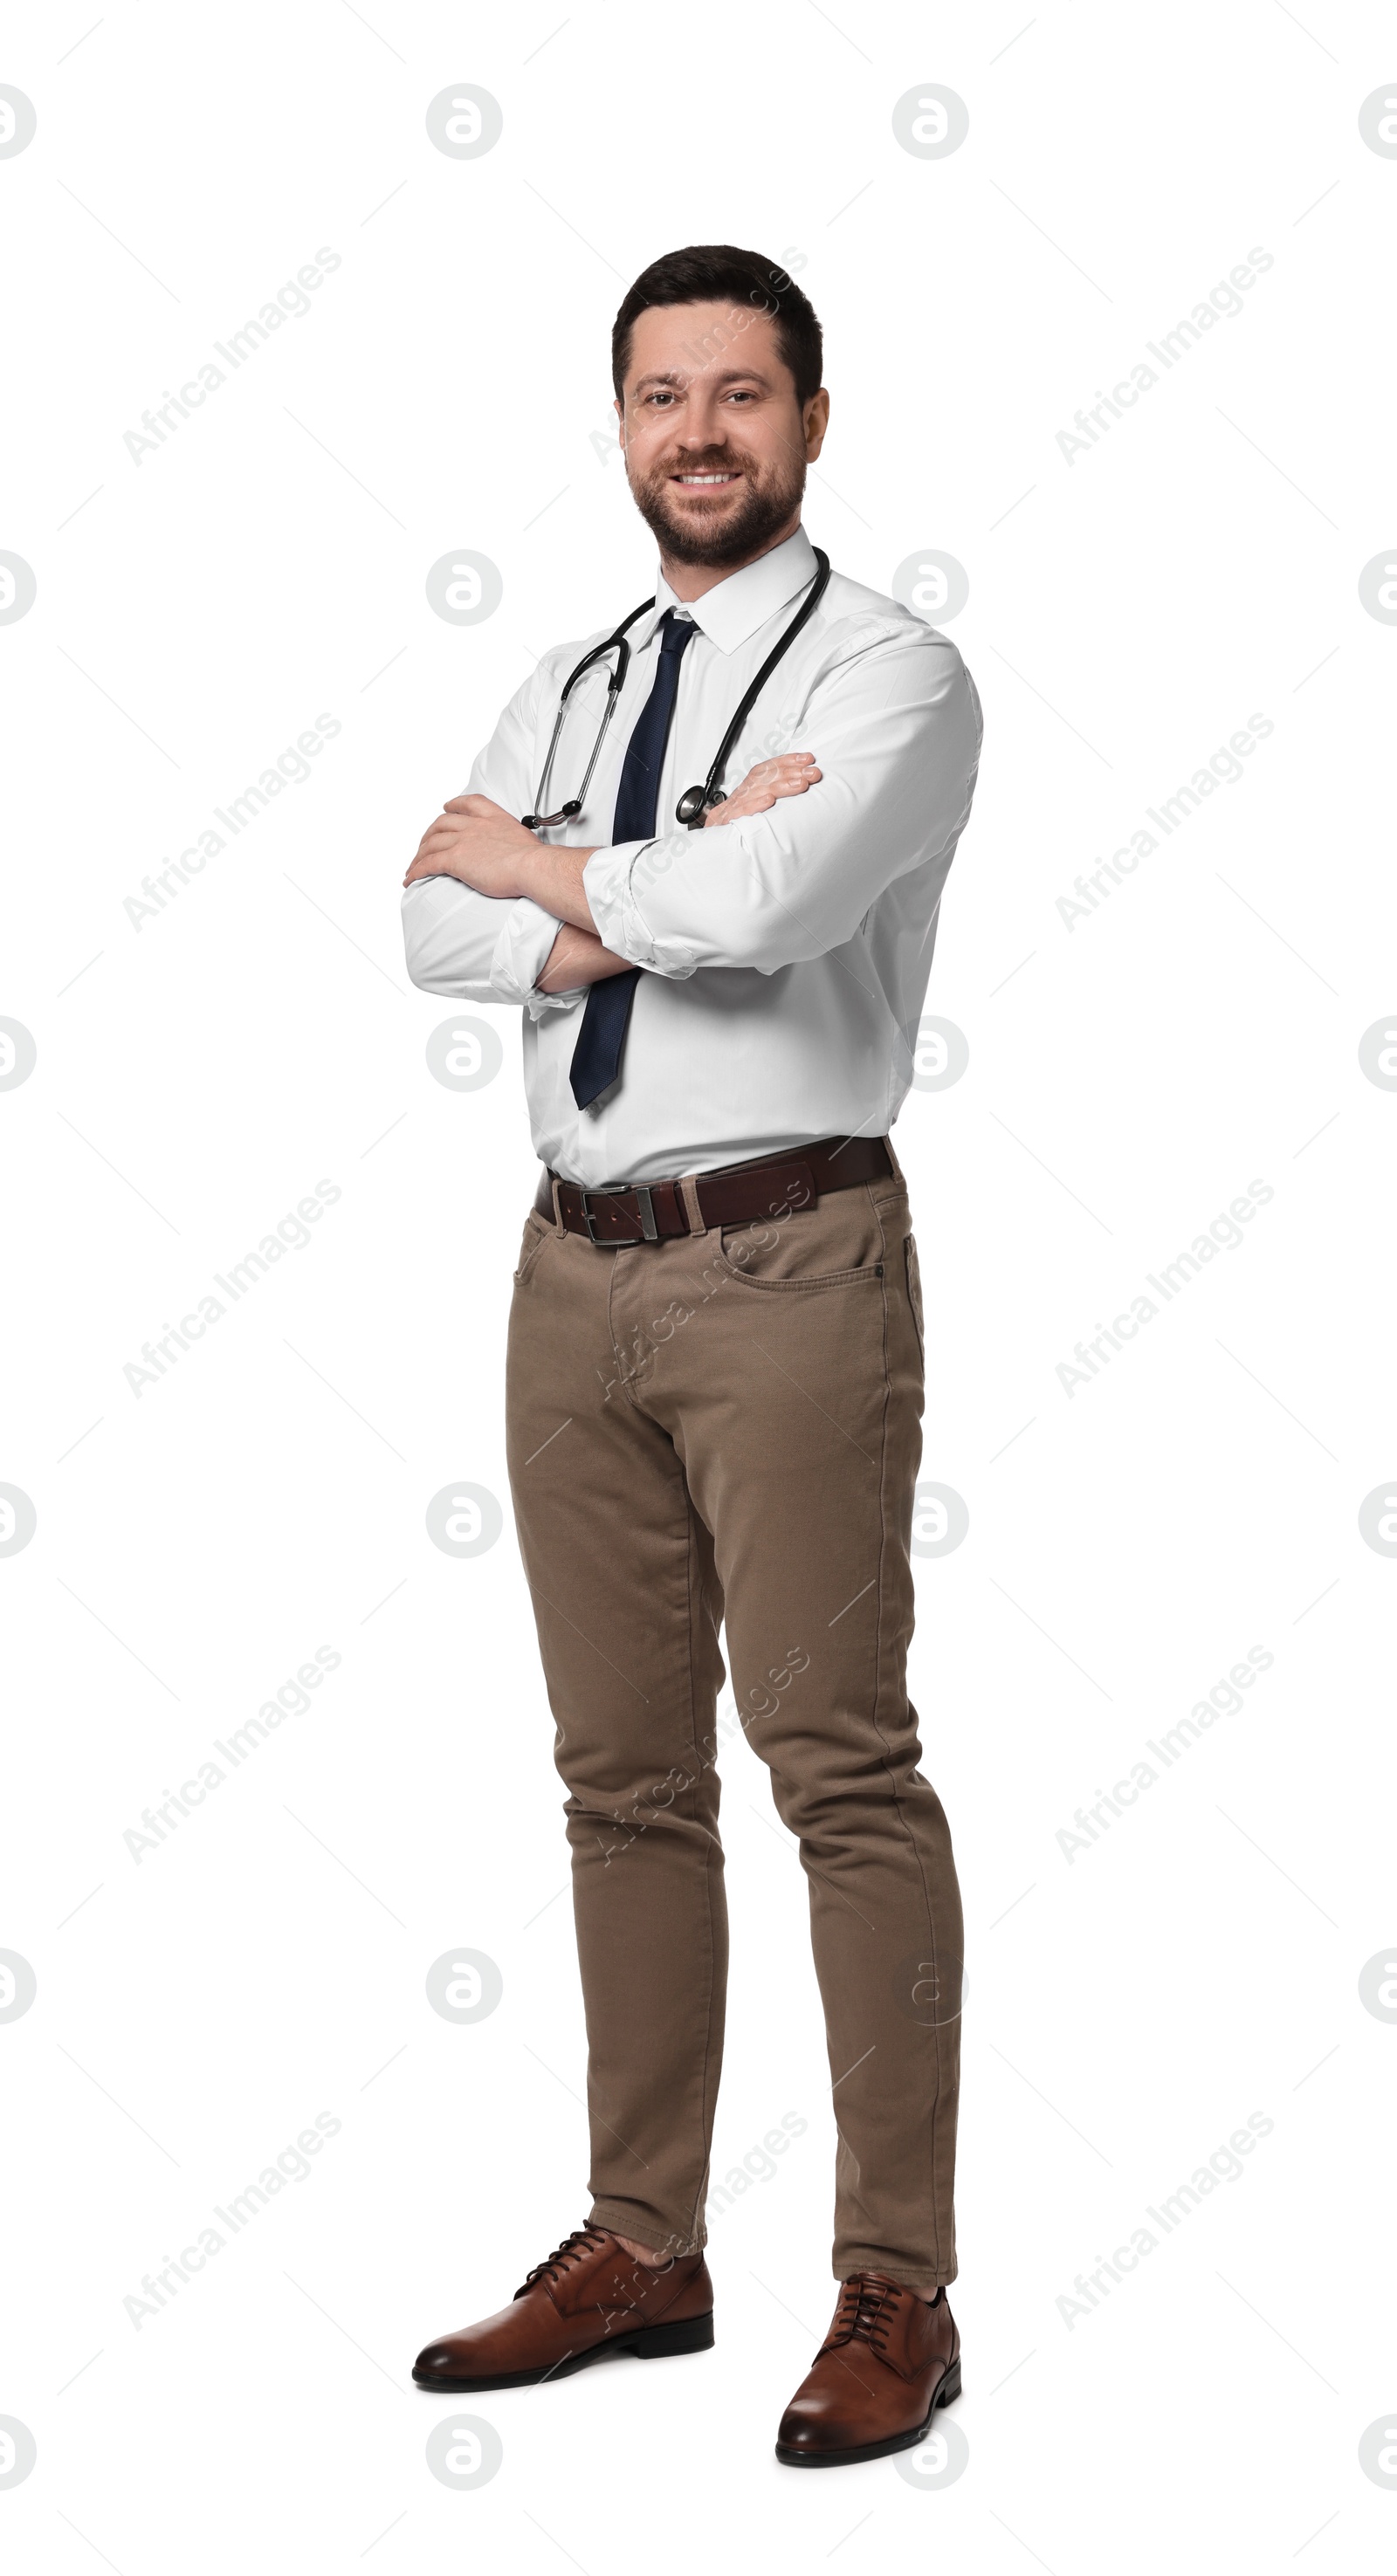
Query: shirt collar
[[734, 609]]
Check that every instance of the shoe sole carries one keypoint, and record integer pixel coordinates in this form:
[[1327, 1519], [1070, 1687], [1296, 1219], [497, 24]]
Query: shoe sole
[[947, 2390], [648, 2343]]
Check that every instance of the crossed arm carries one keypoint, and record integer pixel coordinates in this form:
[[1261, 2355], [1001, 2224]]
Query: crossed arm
[[476, 840]]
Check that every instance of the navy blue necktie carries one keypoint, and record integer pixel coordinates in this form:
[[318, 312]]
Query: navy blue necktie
[[596, 1058]]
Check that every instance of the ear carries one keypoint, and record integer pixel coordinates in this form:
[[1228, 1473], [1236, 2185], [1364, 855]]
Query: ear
[[620, 412], [816, 423]]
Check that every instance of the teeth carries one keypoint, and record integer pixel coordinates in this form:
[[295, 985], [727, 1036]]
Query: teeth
[[707, 478]]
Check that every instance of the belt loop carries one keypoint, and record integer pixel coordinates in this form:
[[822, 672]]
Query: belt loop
[[558, 1226], [898, 1172], [688, 1192]]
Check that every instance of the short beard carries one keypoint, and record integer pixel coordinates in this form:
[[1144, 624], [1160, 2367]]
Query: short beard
[[761, 513]]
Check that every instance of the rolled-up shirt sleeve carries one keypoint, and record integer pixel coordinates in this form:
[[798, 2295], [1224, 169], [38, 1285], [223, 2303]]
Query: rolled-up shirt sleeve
[[895, 729], [480, 947]]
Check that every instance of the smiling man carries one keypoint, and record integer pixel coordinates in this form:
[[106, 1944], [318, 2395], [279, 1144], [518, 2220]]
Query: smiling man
[[715, 1370]]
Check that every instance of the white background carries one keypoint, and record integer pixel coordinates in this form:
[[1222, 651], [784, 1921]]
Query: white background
[[1128, 1077]]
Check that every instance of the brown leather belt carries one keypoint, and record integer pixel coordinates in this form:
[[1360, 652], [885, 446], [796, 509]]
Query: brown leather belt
[[771, 1186]]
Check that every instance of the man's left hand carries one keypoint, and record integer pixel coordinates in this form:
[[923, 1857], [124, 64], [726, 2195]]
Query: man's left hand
[[474, 839]]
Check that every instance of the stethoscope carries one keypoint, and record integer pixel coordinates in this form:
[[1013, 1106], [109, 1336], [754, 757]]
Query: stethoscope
[[694, 804]]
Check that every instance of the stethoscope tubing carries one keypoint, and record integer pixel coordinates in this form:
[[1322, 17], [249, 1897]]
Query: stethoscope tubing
[[615, 643], [696, 802], [711, 792]]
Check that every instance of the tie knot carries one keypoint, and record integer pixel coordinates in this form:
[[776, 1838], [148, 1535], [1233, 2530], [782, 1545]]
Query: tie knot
[[675, 632]]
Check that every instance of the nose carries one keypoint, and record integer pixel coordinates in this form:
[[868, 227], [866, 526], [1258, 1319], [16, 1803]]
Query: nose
[[704, 425]]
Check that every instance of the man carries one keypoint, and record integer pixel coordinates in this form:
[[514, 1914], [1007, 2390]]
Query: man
[[714, 1382]]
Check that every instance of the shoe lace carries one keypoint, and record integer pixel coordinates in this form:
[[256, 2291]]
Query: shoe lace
[[866, 2310], [583, 2240]]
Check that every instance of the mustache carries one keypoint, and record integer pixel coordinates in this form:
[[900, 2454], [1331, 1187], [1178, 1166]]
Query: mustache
[[721, 461]]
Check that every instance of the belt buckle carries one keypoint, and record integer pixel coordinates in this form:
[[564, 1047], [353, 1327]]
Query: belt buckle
[[649, 1231]]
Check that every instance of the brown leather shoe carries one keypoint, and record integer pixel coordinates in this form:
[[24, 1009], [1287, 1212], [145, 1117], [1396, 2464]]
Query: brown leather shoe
[[889, 2360], [590, 2301]]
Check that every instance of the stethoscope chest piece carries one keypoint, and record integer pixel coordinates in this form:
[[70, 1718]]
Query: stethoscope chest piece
[[694, 802]]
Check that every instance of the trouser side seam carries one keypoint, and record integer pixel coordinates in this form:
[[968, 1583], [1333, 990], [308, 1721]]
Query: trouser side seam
[[877, 1696], [701, 2191]]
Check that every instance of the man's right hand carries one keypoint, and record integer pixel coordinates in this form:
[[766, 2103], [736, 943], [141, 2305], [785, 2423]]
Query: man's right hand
[[790, 775]]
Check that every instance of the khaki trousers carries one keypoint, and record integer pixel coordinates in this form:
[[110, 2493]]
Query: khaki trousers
[[724, 1429]]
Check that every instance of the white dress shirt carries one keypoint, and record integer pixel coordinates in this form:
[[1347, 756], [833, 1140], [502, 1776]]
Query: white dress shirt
[[787, 955]]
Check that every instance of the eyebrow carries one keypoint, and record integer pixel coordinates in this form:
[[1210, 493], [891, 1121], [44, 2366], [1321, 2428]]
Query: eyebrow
[[682, 376]]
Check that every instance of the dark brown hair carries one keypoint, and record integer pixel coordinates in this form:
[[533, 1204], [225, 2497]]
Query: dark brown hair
[[718, 274]]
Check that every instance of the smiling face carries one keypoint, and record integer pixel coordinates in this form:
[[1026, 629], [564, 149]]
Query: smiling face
[[715, 441]]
